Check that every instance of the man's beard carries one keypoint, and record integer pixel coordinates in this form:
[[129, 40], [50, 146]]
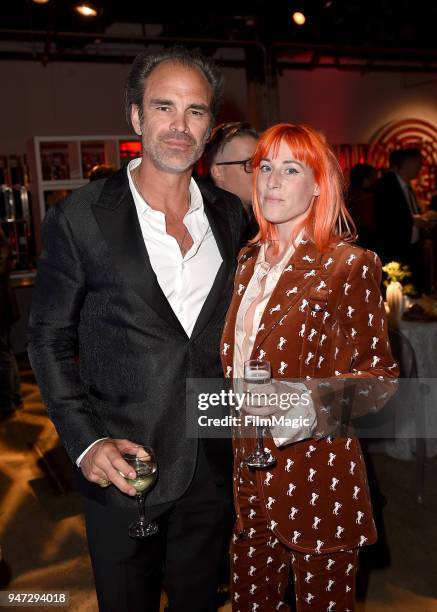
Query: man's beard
[[173, 161]]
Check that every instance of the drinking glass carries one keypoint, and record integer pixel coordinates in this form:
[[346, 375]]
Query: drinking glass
[[146, 469], [258, 372]]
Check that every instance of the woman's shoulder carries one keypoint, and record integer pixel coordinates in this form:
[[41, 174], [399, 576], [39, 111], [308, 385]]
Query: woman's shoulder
[[348, 253], [247, 252]]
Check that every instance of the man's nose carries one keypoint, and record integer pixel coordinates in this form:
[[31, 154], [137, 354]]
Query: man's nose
[[179, 123]]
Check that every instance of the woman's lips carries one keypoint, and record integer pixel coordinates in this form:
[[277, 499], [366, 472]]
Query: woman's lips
[[272, 200]]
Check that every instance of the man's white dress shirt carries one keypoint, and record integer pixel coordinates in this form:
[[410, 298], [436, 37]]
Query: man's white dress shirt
[[412, 205]]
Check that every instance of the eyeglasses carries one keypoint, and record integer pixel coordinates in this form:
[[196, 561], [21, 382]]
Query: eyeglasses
[[246, 163]]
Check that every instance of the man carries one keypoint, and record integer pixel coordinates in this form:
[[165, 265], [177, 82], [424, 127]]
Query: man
[[136, 274], [395, 207], [227, 160]]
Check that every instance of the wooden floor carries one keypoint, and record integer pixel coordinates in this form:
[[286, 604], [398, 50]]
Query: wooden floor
[[43, 538]]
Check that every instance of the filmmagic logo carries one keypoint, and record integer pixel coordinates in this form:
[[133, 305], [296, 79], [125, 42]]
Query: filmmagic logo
[[251, 420], [251, 402]]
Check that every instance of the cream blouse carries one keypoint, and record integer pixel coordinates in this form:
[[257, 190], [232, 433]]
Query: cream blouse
[[253, 304], [250, 312]]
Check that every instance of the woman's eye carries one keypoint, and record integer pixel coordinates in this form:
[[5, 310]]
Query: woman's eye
[[291, 171], [264, 168]]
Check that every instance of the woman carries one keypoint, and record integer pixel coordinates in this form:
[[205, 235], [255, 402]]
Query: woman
[[308, 301]]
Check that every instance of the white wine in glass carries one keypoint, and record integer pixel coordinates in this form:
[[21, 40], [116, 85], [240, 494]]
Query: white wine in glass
[[258, 372], [146, 470], [144, 479]]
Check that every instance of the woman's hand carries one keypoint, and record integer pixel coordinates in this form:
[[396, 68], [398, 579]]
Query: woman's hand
[[274, 398]]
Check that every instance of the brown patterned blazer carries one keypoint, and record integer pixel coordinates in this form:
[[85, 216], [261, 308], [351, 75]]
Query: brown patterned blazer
[[325, 318]]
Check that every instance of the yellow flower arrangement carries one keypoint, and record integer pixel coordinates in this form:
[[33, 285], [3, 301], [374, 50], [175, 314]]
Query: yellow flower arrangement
[[396, 272]]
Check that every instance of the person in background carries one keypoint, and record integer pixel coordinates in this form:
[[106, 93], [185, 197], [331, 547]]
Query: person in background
[[395, 207], [101, 171], [361, 203], [10, 396], [433, 203], [135, 277], [227, 161], [307, 300]]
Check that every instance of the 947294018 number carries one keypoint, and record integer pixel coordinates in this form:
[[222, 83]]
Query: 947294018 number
[[34, 598]]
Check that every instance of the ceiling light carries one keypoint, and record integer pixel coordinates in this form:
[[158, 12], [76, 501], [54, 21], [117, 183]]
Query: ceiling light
[[86, 10], [41, 1], [299, 18]]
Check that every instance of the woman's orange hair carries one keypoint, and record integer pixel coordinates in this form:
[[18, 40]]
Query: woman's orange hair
[[328, 219]]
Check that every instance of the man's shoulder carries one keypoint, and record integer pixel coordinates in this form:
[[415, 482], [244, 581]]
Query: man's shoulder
[[223, 204], [215, 195], [84, 196], [105, 190]]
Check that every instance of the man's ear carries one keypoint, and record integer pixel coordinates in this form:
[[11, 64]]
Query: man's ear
[[216, 173], [135, 119], [316, 190]]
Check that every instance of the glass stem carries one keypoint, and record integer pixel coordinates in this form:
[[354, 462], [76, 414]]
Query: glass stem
[[140, 500], [259, 439]]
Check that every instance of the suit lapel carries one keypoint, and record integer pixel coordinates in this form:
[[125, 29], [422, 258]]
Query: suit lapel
[[117, 218], [290, 290], [246, 265], [219, 223], [298, 274]]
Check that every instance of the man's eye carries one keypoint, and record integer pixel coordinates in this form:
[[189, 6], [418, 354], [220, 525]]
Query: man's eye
[[197, 113], [163, 108]]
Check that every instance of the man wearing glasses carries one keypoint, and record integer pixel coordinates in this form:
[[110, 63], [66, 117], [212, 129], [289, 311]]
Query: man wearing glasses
[[228, 161]]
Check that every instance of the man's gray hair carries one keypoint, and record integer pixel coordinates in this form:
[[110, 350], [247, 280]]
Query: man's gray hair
[[146, 61]]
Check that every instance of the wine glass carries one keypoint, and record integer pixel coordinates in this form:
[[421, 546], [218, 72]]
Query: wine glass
[[146, 469], [258, 372]]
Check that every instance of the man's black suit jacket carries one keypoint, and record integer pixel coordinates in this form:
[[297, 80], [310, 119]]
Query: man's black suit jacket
[[109, 354], [394, 221]]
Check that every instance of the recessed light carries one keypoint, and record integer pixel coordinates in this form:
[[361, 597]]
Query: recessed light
[[299, 18], [86, 10], [41, 1]]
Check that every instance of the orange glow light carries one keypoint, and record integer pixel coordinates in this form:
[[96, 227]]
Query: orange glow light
[[86, 10], [299, 18]]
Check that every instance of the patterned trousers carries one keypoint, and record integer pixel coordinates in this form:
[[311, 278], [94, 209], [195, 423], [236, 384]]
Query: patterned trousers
[[260, 567]]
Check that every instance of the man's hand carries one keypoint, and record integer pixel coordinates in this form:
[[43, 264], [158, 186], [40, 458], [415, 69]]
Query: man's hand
[[103, 462]]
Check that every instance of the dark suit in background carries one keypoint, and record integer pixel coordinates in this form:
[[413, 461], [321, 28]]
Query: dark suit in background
[[394, 220]]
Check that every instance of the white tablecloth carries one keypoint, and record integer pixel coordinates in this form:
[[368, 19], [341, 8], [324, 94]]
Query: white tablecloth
[[423, 339]]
